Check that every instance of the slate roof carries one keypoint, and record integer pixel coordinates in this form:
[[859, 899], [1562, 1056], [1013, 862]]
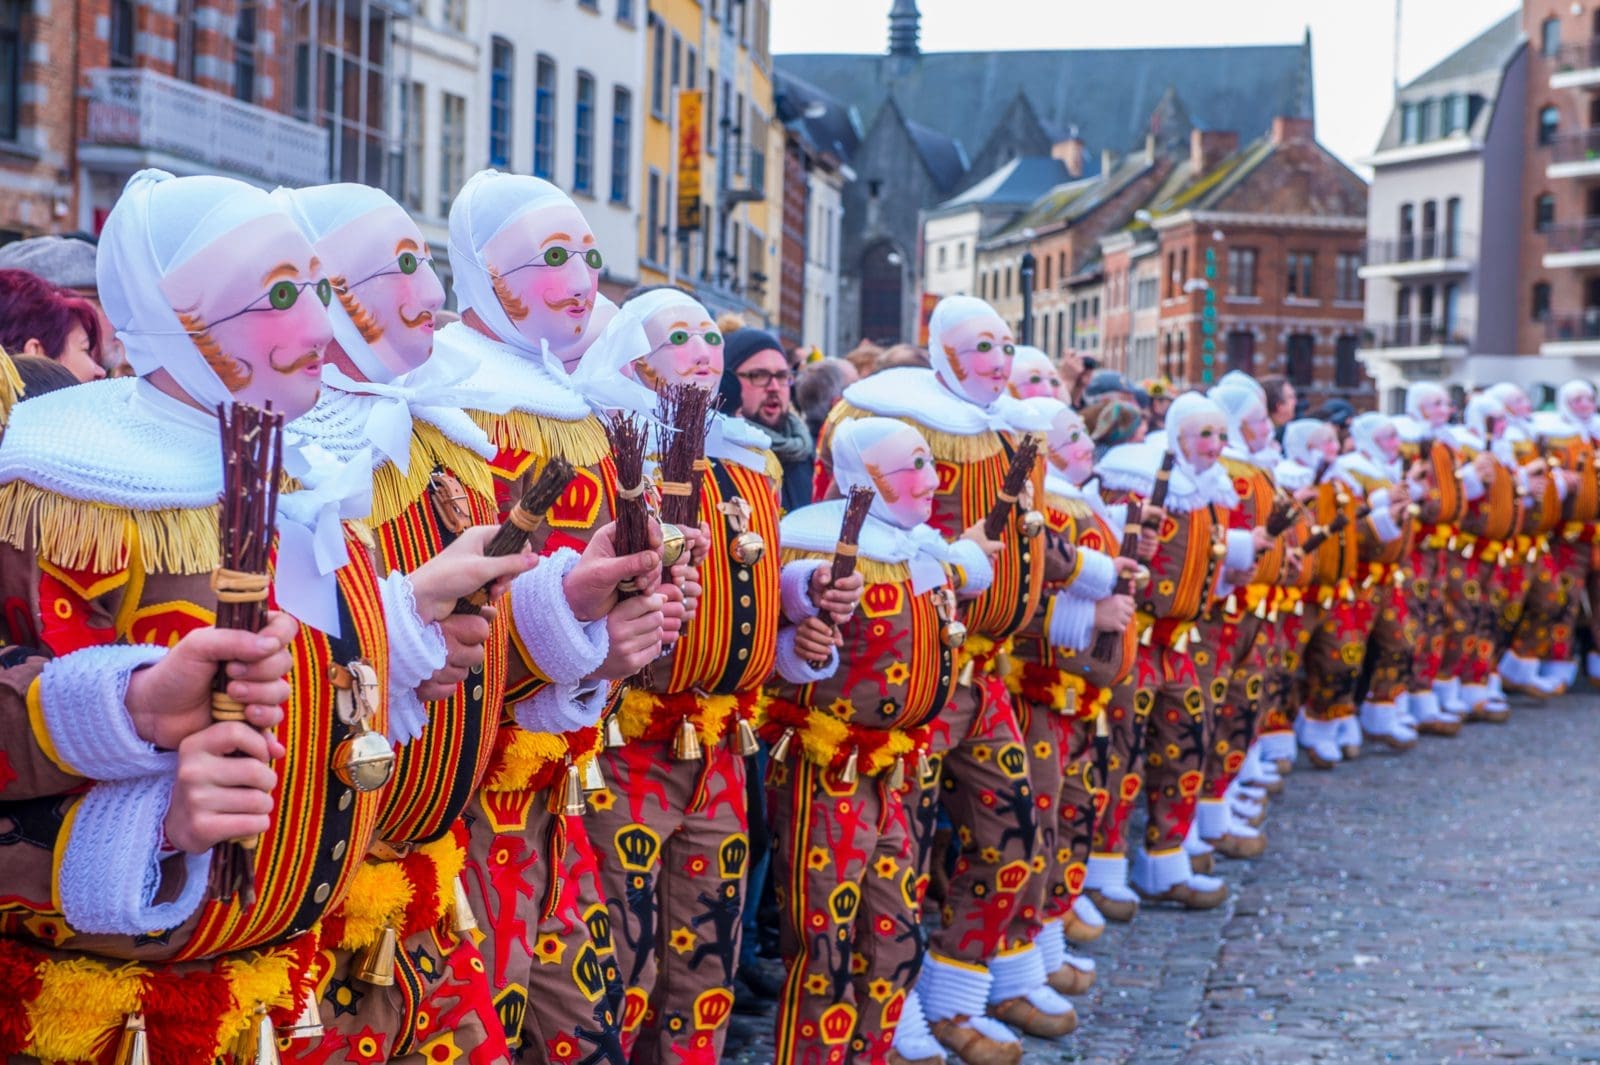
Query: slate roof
[[1016, 184], [943, 155], [1489, 51], [1107, 94], [835, 131], [1477, 68], [1074, 199]]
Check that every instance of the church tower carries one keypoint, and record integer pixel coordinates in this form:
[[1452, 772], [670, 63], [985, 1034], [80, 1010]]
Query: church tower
[[905, 27]]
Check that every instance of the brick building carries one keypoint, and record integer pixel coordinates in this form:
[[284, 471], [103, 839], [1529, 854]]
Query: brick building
[[38, 42]]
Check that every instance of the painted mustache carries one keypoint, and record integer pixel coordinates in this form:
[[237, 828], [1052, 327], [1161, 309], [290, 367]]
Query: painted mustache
[[422, 317], [309, 359], [577, 303]]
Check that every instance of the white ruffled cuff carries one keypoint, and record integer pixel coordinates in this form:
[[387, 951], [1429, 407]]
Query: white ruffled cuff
[[795, 584], [1471, 484], [976, 572], [1013, 975], [1381, 499], [1097, 575], [796, 670], [111, 869], [83, 697], [1419, 491], [1071, 622], [1241, 556], [952, 989], [1384, 525], [565, 649], [416, 652], [558, 708]]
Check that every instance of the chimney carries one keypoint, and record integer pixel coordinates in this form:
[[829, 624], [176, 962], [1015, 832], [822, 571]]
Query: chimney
[[1207, 148], [1070, 152], [1286, 130], [1108, 161], [905, 28]]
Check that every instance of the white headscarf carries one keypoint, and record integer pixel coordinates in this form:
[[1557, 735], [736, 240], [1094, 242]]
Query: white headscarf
[[921, 547], [1564, 397], [1214, 485], [1297, 441], [1239, 402], [1364, 431], [1480, 409], [1240, 379], [487, 203], [1030, 360], [158, 222], [949, 313]]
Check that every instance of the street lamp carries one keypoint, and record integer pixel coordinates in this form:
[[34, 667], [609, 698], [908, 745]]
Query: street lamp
[[1029, 266]]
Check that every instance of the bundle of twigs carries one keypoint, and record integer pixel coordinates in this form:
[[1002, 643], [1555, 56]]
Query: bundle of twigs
[[252, 472], [1022, 462], [684, 410], [521, 523], [628, 439], [1105, 644], [845, 551], [1321, 533], [1163, 485], [1281, 519]]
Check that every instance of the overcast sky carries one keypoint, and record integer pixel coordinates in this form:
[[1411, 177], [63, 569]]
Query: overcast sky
[[1352, 40]]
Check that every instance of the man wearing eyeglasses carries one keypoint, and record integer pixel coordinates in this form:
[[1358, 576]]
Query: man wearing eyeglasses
[[755, 386]]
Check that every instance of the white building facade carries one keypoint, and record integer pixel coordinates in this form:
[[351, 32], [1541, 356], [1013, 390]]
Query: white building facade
[[824, 215]]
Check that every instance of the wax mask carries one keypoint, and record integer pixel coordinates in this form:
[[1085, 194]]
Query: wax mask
[[1387, 440], [1257, 428], [1200, 438], [1582, 404], [546, 271], [255, 303], [904, 474], [980, 350], [1034, 377], [1323, 442], [383, 276], [1516, 403], [1436, 409], [685, 348], [1071, 447]]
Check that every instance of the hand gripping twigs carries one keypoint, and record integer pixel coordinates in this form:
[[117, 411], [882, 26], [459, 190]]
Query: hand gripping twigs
[[521, 523], [1022, 463], [845, 551], [1105, 644], [252, 472], [627, 437]]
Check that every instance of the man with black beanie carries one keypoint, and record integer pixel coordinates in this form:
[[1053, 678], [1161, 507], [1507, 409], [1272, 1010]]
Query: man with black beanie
[[755, 386]]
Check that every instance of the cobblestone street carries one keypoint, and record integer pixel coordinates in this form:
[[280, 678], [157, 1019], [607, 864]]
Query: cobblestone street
[[1437, 906]]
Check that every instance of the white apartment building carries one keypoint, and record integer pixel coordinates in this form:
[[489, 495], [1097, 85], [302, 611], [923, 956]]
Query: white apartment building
[[824, 216]]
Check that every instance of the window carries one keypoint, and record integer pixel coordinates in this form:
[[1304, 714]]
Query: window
[[658, 67], [942, 251], [709, 138], [677, 61], [1452, 227], [1242, 351], [625, 11], [13, 54], [652, 217], [413, 131], [1241, 272], [544, 117], [187, 30], [1300, 351], [455, 15], [244, 53], [1550, 36], [1452, 308], [502, 61], [1409, 130], [583, 136], [1047, 261], [621, 144], [1456, 114], [1544, 213], [1346, 368], [123, 29], [961, 254], [592, 5], [691, 70], [1302, 267], [1427, 130], [1549, 125], [1347, 279], [452, 150]]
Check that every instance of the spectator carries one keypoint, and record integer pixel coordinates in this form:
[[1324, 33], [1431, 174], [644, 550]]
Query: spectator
[[39, 318], [755, 385], [1110, 383], [41, 375], [819, 388], [1111, 422], [865, 358], [1074, 372], [904, 355], [68, 262], [1160, 391], [1339, 413], [1281, 400]]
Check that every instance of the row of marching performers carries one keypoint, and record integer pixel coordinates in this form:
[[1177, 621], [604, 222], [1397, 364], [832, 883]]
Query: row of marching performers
[[387, 828]]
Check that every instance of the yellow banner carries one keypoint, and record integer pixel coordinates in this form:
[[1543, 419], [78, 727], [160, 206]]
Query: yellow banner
[[691, 142]]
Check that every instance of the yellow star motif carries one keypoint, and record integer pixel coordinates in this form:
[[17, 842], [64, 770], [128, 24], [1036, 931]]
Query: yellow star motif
[[682, 940], [818, 858], [550, 949], [842, 709], [897, 674], [886, 867], [1041, 749], [981, 752], [990, 855], [816, 984], [603, 800], [442, 1050], [880, 990], [858, 964]]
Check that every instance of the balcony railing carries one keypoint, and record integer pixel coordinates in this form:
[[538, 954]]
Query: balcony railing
[[1571, 327], [1419, 247], [149, 110], [1412, 333], [1581, 147], [1579, 55], [1584, 236]]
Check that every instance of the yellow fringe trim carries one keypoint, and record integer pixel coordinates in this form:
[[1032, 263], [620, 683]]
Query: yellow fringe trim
[[946, 447], [394, 492], [638, 709], [526, 754], [582, 443], [381, 893], [872, 572], [10, 387], [824, 734], [78, 535]]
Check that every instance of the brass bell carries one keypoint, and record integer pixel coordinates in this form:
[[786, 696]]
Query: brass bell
[[1413, 510], [375, 966], [464, 919], [364, 760], [1466, 552], [1261, 608], [1145, 638], [954, 634], [673, 544], [614, 736], [1219, 551], [134, 1047], [1299, 608], [745, 742], [567, 797], [1232, 605], [851, 771], [1342, 498], [593, 779], [780, 750], [1181, 644], [309, 1024], [686, 744], [970, 667], [1030, 524], [747, 548], [924, 766], [897, 775], [266, 1041]]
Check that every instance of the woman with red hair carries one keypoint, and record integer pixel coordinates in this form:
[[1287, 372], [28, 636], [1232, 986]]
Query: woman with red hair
[[38, 318]]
